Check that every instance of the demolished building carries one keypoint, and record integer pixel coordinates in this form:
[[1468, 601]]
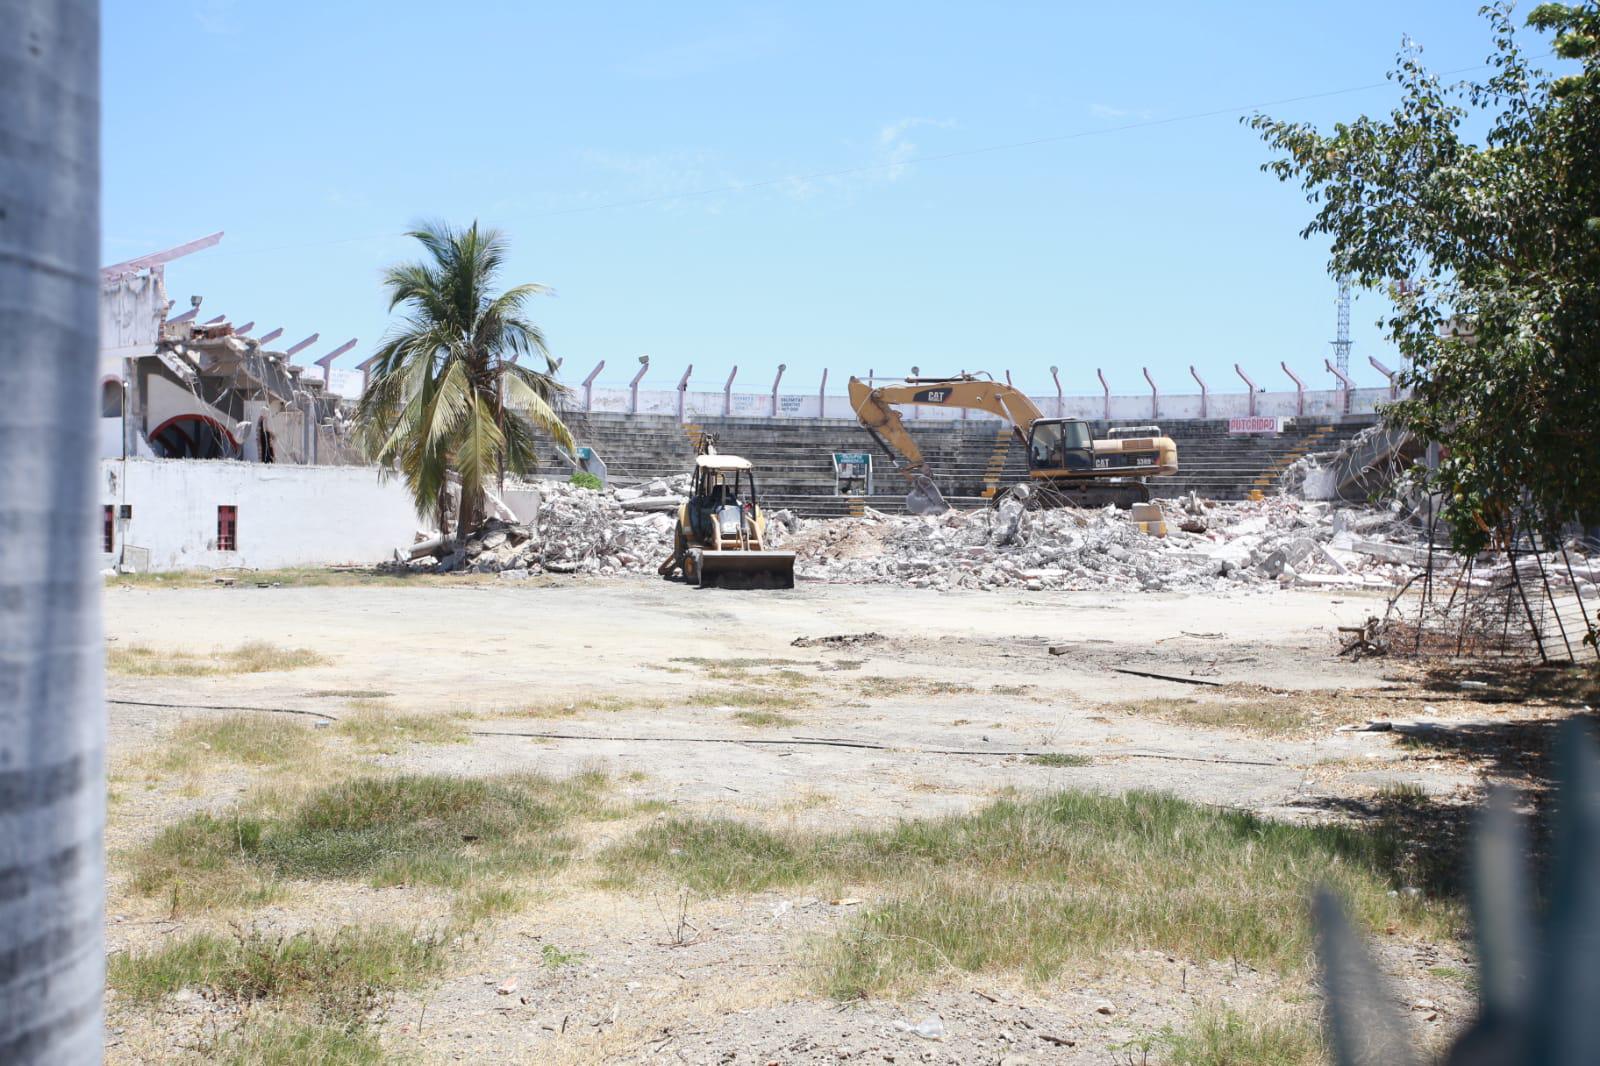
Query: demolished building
[[179, 388], [217, 449]]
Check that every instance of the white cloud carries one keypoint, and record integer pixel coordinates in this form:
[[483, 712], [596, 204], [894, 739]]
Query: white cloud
[[689, 175], [897, 149], [697, 180]]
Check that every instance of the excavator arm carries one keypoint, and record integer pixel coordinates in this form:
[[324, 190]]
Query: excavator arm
[[875, 410], [1102, 473]]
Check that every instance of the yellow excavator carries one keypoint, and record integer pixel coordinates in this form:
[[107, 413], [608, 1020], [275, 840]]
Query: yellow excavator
[[1066, 465], [721, 534]]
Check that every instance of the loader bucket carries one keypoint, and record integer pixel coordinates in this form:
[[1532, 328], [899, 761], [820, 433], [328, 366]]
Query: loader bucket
[[925, 497], [744, 569]]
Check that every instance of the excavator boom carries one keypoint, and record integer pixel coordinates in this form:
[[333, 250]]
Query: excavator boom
[[1066, 474]]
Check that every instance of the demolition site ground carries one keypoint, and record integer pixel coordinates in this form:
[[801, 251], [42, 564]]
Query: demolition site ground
[[589, 819]]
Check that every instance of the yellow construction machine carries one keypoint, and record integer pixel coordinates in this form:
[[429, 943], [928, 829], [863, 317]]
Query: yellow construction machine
[[721, 535], [1066, 466]]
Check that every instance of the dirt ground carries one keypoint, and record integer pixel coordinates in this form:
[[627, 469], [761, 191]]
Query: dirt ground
[[936, 704]]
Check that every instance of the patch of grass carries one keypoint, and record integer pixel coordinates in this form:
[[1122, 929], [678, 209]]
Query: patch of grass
[[1011, 690], [809, 799], [349, 693], [412, 829], [428, 828], [878, 686], [750, 670], [204, 862], [288, 577], [342, 974], [269, 1038], [246, 738], [487, 901], [1227, 1037], [554, 958], [732, 663], [764, 718], [1258, 717], [1031, 886], [1059, 758], [580, 705], [253, 657], [757, 699], [1460, 975], [377, 728], [1401, 794]]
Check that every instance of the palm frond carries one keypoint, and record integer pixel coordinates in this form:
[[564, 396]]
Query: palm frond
[[452, 398], [479, 447], [549, 389], [522, 444], [524, 400]]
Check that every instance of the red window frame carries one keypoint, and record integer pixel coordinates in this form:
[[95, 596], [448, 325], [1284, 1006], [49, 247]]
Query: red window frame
[[108, 530], [227, 527]]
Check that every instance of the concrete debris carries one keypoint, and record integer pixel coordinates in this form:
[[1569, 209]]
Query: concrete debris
[[578, 531], [653, 503], [1280, 540], [1359, 469], [837, 640]]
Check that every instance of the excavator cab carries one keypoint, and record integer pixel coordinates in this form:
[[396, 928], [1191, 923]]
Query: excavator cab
[[1060, 444]]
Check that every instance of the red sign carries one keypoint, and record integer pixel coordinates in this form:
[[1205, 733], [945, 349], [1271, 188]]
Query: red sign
[[1254, 424]]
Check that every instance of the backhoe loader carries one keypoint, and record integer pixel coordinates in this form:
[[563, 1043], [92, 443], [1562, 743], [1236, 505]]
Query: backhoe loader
[[1066, 466], [721, 534]]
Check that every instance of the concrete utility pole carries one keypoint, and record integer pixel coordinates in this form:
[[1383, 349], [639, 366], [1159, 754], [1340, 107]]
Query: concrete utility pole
[[52, 728]]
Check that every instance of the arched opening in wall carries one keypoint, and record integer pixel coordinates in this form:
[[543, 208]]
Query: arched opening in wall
[[111, 398], [193, 437]]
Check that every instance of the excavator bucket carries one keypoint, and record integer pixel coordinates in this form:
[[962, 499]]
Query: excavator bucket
[[742, 569], [925, 497]]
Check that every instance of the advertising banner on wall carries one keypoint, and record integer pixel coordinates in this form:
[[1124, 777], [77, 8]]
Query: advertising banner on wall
[[1255, 424]]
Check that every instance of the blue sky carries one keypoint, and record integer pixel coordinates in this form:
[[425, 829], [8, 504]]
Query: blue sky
[[313, 133]]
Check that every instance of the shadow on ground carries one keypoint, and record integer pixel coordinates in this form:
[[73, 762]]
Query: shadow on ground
[[1432, 833]]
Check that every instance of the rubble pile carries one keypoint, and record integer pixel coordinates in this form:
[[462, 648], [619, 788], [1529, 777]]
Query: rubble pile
[[1365, 467], [1280, 540], [578, 531], [1277, 541]]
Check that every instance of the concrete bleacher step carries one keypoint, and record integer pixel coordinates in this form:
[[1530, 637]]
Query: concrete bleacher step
[[971, 459]]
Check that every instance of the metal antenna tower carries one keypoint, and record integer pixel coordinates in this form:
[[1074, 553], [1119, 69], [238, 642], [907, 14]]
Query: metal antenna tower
[[1341, 342]]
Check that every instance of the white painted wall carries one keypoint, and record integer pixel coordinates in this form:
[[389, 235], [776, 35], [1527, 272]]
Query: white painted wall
[[288, 515]]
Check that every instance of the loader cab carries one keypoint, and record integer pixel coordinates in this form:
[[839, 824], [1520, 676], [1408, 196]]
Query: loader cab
[[1060, 444], [724, 496]]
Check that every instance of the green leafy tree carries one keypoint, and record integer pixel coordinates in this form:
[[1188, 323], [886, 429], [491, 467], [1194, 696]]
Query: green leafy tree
[[448, 393], [1489, 247]]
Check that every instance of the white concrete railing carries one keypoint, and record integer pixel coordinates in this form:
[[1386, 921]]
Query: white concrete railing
[[691, 404]]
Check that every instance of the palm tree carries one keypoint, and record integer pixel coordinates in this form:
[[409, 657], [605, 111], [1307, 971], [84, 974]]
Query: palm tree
[[447, 393]]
